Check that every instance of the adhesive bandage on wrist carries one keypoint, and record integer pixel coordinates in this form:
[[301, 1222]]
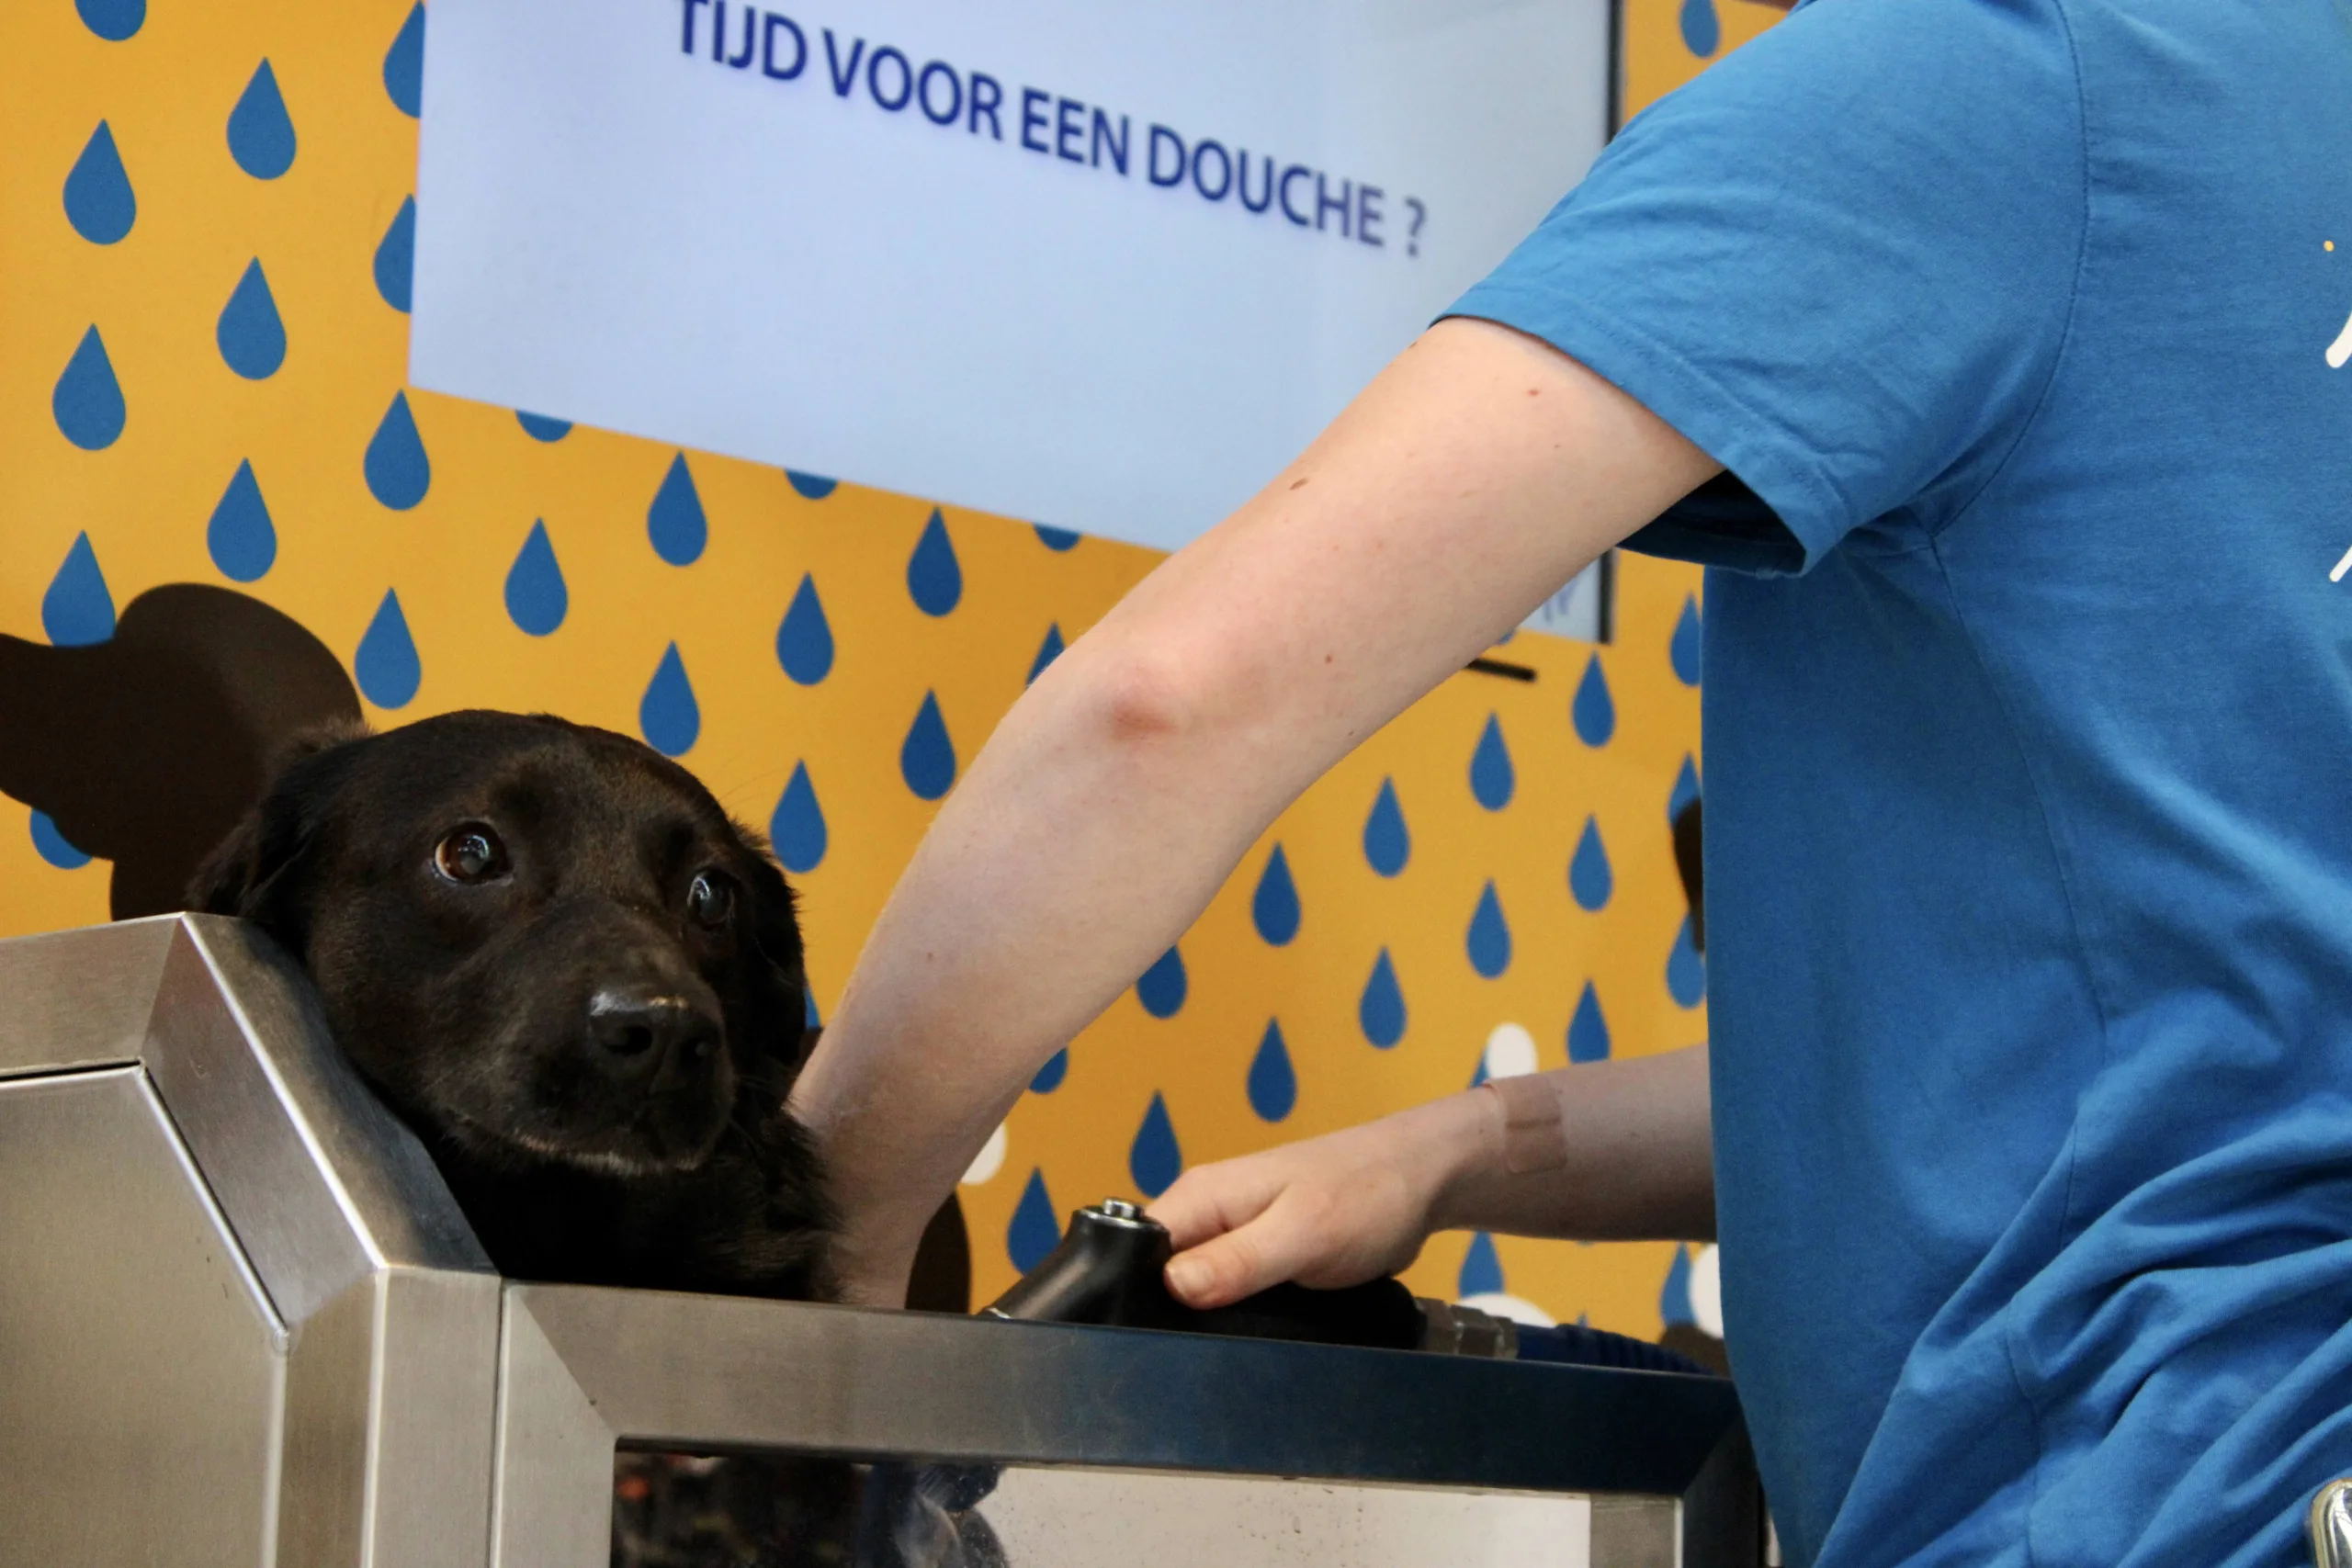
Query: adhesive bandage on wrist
[[1534, 1138]]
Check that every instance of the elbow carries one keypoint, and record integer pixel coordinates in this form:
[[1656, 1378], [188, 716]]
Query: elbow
[[1141, 700]]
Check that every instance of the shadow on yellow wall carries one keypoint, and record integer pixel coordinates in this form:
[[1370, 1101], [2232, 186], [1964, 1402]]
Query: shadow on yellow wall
[[202, 349]]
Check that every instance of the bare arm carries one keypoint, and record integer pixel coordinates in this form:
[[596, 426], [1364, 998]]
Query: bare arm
[[1476, 474]]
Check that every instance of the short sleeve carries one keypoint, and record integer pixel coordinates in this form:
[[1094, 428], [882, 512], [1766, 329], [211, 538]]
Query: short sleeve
[[1841, 262]]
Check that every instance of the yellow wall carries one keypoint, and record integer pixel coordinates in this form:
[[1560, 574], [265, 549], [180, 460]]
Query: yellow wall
[[156, 295]]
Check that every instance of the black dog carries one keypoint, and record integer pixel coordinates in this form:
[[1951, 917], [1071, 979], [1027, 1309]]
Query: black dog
[[550, 949]]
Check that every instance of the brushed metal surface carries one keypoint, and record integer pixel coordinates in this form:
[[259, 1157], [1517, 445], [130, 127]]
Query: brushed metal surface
[[80, 999], [139, 1366]]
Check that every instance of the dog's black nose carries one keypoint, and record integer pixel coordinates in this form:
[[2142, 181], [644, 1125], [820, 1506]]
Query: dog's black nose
[[642, 1033]]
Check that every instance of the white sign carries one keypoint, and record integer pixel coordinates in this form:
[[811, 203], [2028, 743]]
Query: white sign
[[1099, 264]]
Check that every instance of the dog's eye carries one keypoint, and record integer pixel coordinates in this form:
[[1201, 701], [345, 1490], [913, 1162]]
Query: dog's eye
[[710, 899], [471, 854]]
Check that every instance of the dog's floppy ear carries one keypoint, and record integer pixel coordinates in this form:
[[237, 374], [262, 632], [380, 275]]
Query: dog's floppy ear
[[775, 932], [255, 872]]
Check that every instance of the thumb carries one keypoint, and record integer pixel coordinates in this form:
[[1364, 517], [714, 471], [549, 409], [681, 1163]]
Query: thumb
[[1239, 1263]]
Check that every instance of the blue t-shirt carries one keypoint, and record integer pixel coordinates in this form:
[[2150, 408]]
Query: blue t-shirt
[[2029, 747]]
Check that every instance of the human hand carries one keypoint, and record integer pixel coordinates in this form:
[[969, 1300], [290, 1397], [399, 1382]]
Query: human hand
[[1327, 1211]]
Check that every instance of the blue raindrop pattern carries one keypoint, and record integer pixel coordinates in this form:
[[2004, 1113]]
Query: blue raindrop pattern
[[399, 473], [1488, 942], [1686, 789], [1273, 907], [797, 826], [1386, 844], [804, 640], [98, 199], [88, 403], [1588, 1031], [1036, 1228], [1155, 1160], [386, 665], [1703, 30], [55, 847], [811, 487], [1589, 880], [1161, 987], [261, 133], [241, 537], [1674, 1297], [1047, 652], [76, 610], [1688, 644], [540, 427], [927, 756], [1049, 1077], [405, 64], [251, 334], [674, 522], [396, 262], [537, 599], [113, 20], [1686, 972], [1482, 1269], [1380, 1011], [1056, 539], [934, 578], [1492, 779], [668, 715], [1594, 711], [1273, 1083], [810, 1017]]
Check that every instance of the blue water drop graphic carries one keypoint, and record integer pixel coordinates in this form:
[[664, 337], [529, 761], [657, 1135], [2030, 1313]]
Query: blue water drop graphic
[[1482, 1269], [1036, 1229], [808, 1011], [811, 487], [1056, 539], [1047, 652], [1688, 643], [1479, 1076], [1380, 1011], [1489, 940], [933, 578], [1273, 1083], [1594, 713], [88, 403], [1154, 1160], [1686, 789], [536, 600], [1587, 1031], [668, 715], [1674, 1299], [98, 201], [540, 427], [405, 64], [1491, 779], [1273, 909], [54, 847], [927, 758], [804, 641], [396, 264], [251, 335], [1387, 845], [399, 473], [387, 664], [1686, 972], [1589, 882], [797, 828], [1702, 31], [1049, 1077], [113, 20], [1161, 987], [242, 539], [77, 611], [261, 137], [674, 523]]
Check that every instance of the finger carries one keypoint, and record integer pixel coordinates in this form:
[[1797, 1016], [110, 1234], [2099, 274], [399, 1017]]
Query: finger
[[1210, 1200], [1251, 1257]]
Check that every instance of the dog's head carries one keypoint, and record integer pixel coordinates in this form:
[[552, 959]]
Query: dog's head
[[543, 943]]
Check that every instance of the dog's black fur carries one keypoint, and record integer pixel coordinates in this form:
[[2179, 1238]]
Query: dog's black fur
[[579, 982]]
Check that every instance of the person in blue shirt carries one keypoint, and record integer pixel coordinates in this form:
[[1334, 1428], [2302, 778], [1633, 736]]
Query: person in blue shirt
[[1991, 354]]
